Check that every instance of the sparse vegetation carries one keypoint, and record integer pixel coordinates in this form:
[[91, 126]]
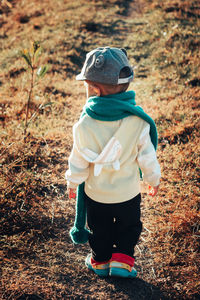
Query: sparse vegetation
[[38, 258], [31, 58]]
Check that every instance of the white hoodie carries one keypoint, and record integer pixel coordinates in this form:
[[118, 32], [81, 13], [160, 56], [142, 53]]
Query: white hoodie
[[107, 155]]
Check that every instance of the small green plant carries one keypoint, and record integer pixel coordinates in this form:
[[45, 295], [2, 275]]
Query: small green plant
[[37, 72]]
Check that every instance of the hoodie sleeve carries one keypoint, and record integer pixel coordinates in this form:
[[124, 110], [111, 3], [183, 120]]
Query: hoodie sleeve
[[78, 170], [147, 159]]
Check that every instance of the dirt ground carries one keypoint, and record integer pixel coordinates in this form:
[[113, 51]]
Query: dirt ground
[[38, 259]]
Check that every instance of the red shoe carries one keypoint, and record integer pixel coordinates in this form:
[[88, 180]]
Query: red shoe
[[100, 268], [121, 265]]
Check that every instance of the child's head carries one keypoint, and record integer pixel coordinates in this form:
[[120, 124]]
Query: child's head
[[106, 71]]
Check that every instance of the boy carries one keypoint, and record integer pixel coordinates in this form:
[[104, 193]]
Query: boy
[[113, 139]]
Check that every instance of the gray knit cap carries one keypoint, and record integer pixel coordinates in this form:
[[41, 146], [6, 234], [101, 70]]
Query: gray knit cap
[[104, 64]]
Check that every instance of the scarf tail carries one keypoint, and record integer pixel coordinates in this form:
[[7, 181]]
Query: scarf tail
[[79, 233]]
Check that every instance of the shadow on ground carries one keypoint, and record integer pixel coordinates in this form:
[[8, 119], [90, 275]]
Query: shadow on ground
[[136, 289]]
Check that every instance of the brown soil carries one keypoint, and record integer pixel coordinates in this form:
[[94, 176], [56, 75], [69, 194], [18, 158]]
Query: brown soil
[[38, 259]]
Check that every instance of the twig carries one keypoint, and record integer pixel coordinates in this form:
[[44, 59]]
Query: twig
[[35, 113], [153, 272], [139, 249], [29, 101], [53, 209]]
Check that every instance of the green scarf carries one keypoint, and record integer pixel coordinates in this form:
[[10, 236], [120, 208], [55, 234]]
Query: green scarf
[[107, 108]]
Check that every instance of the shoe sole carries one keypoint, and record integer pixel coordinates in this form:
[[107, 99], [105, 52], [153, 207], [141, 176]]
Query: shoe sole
[[99, 272], [119, 272], [113, 271]]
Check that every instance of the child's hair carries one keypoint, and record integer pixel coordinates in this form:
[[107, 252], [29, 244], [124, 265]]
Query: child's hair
[[117, 88]]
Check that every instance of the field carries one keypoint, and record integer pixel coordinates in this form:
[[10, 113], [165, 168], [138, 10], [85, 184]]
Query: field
[[38, 259]]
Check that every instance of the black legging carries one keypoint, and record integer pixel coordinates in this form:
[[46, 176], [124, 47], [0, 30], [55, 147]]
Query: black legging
[[115, 228]]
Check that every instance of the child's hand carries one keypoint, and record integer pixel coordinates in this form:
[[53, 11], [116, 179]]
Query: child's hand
[[72, 193], [153, 190]]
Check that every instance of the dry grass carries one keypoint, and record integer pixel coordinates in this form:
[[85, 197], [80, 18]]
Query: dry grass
[[38, 259]]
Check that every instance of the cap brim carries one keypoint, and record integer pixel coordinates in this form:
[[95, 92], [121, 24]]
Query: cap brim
[[80, 77]]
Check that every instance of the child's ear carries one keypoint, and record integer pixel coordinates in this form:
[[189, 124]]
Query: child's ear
[[97, 90]]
